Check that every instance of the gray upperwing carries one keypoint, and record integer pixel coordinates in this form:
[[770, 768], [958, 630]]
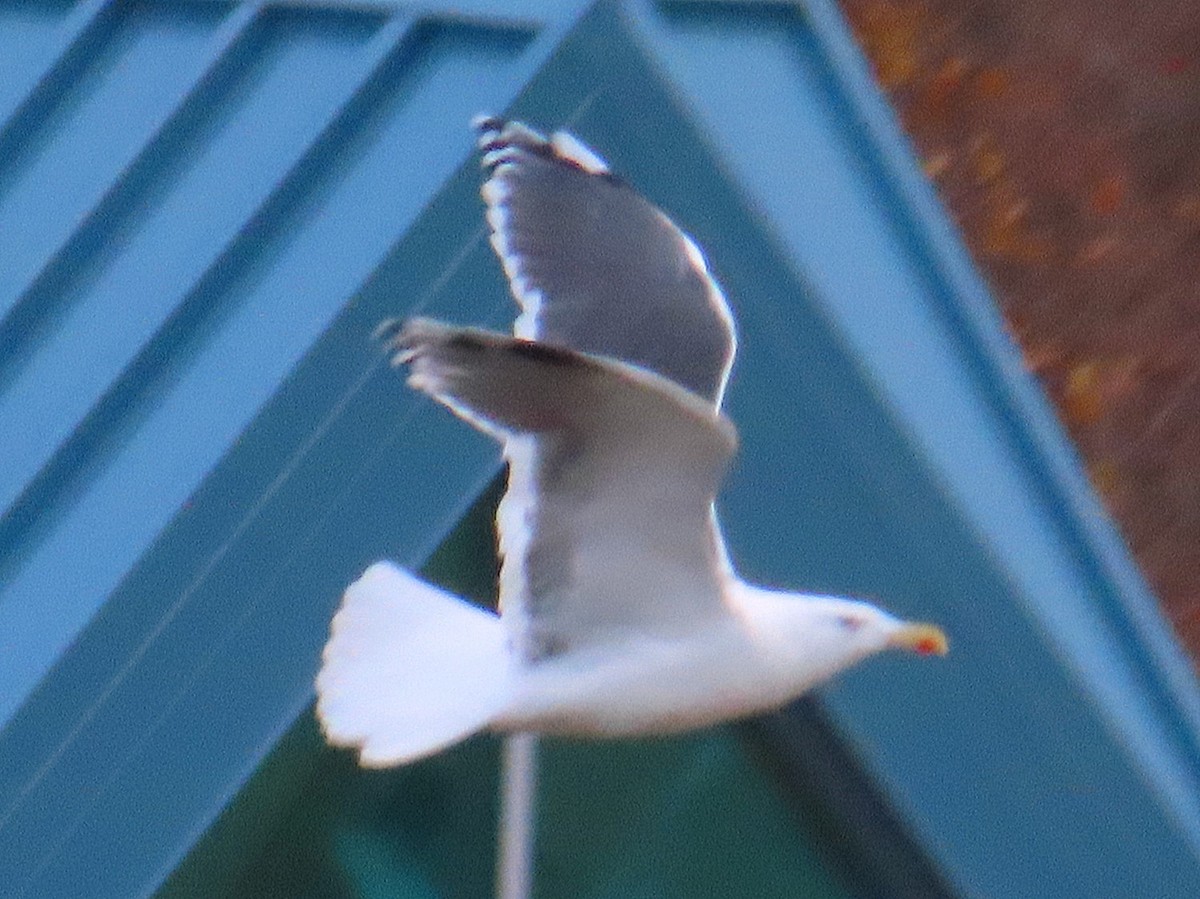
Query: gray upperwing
[[598, 268], [606, 525]]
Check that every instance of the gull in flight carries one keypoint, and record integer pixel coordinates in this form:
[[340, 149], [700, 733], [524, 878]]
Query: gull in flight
[[620, 613]]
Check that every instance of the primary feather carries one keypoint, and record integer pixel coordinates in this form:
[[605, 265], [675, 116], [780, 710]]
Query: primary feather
[[597, 267]]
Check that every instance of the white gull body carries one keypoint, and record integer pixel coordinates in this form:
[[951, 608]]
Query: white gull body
[[619, 611]]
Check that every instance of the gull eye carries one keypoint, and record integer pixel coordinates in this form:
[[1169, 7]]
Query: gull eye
[[851, 623]]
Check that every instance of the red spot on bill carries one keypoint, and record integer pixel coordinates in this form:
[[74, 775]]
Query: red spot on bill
[[929, 646]]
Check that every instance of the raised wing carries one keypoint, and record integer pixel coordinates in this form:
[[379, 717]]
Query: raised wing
[[606, 528], [598, 268]]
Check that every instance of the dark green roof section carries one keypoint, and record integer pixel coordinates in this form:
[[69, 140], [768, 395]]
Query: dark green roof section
[[689, 817], [231, 450]]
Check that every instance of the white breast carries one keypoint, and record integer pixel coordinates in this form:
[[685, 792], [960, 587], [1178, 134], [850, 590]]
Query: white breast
[[640, 685]]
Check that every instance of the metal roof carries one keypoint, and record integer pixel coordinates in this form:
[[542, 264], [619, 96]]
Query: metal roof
[[206, 207]]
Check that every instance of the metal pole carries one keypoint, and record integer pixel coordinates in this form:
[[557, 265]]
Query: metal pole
[[518, 815]]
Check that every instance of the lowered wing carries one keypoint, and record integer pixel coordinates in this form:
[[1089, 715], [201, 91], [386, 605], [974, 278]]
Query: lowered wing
[[606, 527]]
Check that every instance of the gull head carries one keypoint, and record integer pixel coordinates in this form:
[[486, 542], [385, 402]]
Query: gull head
[[854, 629], [815, 637]]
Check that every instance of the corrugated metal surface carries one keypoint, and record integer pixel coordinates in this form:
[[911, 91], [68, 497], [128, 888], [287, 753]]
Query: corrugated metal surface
[[189, 194], [188, 197], [204, 210]]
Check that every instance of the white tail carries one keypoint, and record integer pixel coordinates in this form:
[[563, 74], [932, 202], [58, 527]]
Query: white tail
[[409, 669]]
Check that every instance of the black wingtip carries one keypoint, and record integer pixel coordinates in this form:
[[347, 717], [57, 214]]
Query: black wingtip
[[407, 339], [502, 140], [387, 330], [495, 135], [486, 122]]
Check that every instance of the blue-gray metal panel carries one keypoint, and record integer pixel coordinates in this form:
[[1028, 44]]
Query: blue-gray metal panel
[[205, 266], [1066, 727], [264, 166], [39, 48]]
